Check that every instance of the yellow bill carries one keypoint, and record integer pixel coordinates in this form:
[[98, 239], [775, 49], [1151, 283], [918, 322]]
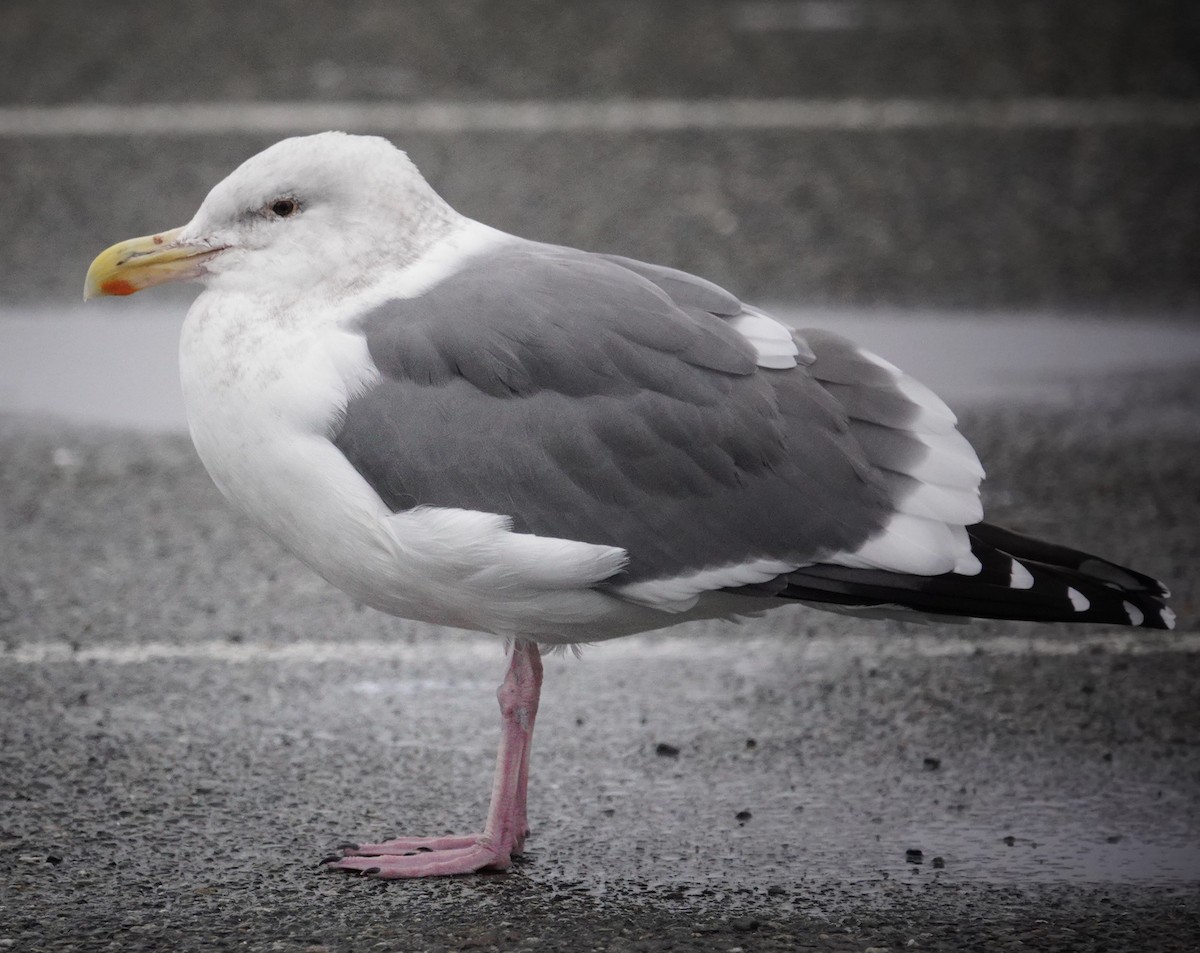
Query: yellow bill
[[139, 263]]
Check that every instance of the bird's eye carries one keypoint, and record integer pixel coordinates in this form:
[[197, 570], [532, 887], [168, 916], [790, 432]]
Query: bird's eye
[[282, 208]]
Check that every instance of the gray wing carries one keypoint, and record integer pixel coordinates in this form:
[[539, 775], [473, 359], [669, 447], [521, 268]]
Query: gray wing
[[604, 400]]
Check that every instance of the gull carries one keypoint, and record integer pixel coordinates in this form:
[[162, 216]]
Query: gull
[[459, 426]]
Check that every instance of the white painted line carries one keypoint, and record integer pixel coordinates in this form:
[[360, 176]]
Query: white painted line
[[458, 647], [241, 653], [648, 115]]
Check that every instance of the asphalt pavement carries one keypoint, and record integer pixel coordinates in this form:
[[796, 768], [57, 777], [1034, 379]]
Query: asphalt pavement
[[191, 721]]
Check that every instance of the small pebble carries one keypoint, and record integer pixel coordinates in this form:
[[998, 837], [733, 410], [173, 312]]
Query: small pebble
[[932, 764], [743, 816], [914, 856], [664, 750]]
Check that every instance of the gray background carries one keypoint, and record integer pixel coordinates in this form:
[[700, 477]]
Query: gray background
[[189, 719], [1097, 217]]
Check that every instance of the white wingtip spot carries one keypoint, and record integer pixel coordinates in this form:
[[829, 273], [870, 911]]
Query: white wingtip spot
[[1134, 613], [1021, 578], [1168, 616], [1078, 600]]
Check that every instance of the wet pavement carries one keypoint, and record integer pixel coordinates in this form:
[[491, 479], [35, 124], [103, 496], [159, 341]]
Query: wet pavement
[[190, 721]]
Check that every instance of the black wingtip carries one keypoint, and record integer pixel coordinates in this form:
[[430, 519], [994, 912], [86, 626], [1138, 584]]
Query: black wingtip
[[1025, 579]]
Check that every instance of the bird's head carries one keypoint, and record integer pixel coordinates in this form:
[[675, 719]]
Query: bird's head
[[312, 209]]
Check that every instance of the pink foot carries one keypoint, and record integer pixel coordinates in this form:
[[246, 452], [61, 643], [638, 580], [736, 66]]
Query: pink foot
[[504, 834], [454, 855]]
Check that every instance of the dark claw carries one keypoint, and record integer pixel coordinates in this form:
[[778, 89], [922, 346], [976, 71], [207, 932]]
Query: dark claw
[[371, 870], [347, 846], [329, 860]]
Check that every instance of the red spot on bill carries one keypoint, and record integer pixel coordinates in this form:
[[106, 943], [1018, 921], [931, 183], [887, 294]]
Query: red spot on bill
[[158, 239], [118, 286]]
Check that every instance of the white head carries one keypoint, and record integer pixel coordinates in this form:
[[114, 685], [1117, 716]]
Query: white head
[[323, 209]]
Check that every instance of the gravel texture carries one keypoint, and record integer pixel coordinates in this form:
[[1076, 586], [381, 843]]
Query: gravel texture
[[764, 787], [190, 721]]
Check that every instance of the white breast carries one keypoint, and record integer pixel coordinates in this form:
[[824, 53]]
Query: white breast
[[261, 393], [263, 387]]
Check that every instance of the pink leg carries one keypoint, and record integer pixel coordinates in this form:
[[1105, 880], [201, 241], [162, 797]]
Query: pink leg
[[504, 832], [531, 709]]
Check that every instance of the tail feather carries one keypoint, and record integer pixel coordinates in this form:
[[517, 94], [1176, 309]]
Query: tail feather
[[1021, 578]]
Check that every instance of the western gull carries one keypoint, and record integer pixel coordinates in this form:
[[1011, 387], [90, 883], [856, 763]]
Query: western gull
[[459, 426]]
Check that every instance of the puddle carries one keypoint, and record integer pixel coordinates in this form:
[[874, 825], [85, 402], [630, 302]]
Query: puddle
[[1062, 854], [1002, 358], [834, 829], [852, 857], [102, 365], [114, 362]]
